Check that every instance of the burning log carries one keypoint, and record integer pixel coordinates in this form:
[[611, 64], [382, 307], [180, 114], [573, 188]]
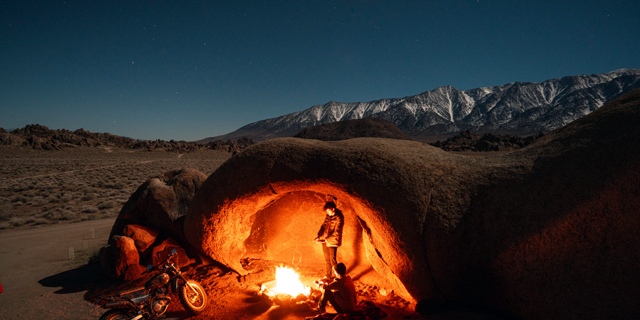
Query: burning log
[[288, 291]]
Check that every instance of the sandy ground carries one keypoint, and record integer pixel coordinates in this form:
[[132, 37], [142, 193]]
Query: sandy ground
[[43, 279], [38, 277]]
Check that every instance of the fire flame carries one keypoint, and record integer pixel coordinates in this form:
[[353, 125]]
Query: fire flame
[[288, 282]]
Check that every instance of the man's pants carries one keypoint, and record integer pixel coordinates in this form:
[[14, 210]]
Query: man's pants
[[330, 254], [329, 296]]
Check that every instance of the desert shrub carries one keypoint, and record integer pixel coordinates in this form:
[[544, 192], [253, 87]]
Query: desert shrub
[[51, 215], [66, 197], [106, 205], [39, 221], [16, 222], [29, 194], [70, 187], [67, 215], [5, 212], [5, 225], [88, 209], [36, 201], [87, 190], [88, 197], [19, 188], [29, 220], [94, 216], [19, 198], [118, 185], [94, 258]]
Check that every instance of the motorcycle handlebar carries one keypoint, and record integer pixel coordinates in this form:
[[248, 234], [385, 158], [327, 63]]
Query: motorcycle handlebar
[[173, 253]]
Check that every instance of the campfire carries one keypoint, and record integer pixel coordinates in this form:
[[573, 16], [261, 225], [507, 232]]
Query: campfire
[[286, 289]]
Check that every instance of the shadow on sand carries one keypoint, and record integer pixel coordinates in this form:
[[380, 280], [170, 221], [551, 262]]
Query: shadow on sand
[[83, 278]]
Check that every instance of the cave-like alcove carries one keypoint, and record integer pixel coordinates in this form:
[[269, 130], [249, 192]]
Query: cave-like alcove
[[283, 232]]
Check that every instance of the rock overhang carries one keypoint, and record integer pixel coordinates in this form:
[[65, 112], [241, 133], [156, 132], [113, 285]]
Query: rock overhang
[[385, 184]]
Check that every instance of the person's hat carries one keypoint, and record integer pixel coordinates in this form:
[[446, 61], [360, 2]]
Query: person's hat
[[329, 205]]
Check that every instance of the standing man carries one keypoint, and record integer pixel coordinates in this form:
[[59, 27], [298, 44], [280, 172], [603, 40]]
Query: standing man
[[330, 235]]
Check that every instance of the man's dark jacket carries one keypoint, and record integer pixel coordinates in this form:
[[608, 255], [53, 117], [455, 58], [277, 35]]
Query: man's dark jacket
[[331, 229]]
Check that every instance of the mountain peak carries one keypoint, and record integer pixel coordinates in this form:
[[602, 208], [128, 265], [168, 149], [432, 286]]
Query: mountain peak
[[517, 108]]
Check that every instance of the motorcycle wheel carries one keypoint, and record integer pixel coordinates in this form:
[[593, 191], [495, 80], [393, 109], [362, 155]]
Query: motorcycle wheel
[[193, 302], [116, 314]]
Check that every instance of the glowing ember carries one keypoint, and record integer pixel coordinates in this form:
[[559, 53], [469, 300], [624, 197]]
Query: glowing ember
[[288, 282]]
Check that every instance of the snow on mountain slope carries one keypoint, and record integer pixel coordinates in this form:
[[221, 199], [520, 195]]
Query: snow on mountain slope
[[514, 108]]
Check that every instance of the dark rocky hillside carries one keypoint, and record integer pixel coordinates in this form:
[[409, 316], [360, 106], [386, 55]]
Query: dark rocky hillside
[[469, 141], [40, 137], [343, 130]]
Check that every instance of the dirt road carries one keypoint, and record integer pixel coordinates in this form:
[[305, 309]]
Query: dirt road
[[36, 271]]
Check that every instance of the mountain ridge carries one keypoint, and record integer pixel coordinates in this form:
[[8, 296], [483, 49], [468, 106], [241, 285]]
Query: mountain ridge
[[516, 108]]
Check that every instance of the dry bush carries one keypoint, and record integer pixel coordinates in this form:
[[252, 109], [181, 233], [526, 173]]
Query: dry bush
[[66, 215], [19, 199], [40, 221], [88, 197], [66, 197], [88, 209], [106, 205], [16, 222], [29, 194], [5, 212], [42, 187]]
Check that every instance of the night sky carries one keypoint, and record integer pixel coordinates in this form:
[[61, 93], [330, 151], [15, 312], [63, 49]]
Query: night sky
[[188, 70]]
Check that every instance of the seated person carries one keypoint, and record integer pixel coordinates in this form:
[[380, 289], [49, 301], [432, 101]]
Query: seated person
[[340, 292]]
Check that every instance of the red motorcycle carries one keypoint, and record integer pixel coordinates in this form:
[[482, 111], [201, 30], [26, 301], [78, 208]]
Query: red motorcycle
[[152, 300]]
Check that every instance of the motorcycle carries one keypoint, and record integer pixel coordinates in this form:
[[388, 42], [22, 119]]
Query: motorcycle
[[152, 300]]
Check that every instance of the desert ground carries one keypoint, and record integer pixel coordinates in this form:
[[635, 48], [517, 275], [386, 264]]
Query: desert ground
[[56, 211]]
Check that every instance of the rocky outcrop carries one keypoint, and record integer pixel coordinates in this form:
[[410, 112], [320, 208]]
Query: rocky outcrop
[[545, 232], [469, 141], [161, 202], [8, 139], [40, 137], [120, 259], [150, 225], [142, 236]]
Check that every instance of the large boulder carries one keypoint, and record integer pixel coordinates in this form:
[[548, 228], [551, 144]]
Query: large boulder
[[160, 203], [143, 237], [9, 139], [154, 213], [162, 251], [546, 232], [120, 259]]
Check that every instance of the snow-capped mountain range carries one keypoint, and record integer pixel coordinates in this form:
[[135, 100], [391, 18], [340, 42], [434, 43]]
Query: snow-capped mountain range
[[519, 108]]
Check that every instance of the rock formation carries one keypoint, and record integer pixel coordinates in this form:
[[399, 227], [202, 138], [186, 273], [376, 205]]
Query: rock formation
[[160, 202], [154, 213], [469, 141], [546, 232], [40, 137]]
